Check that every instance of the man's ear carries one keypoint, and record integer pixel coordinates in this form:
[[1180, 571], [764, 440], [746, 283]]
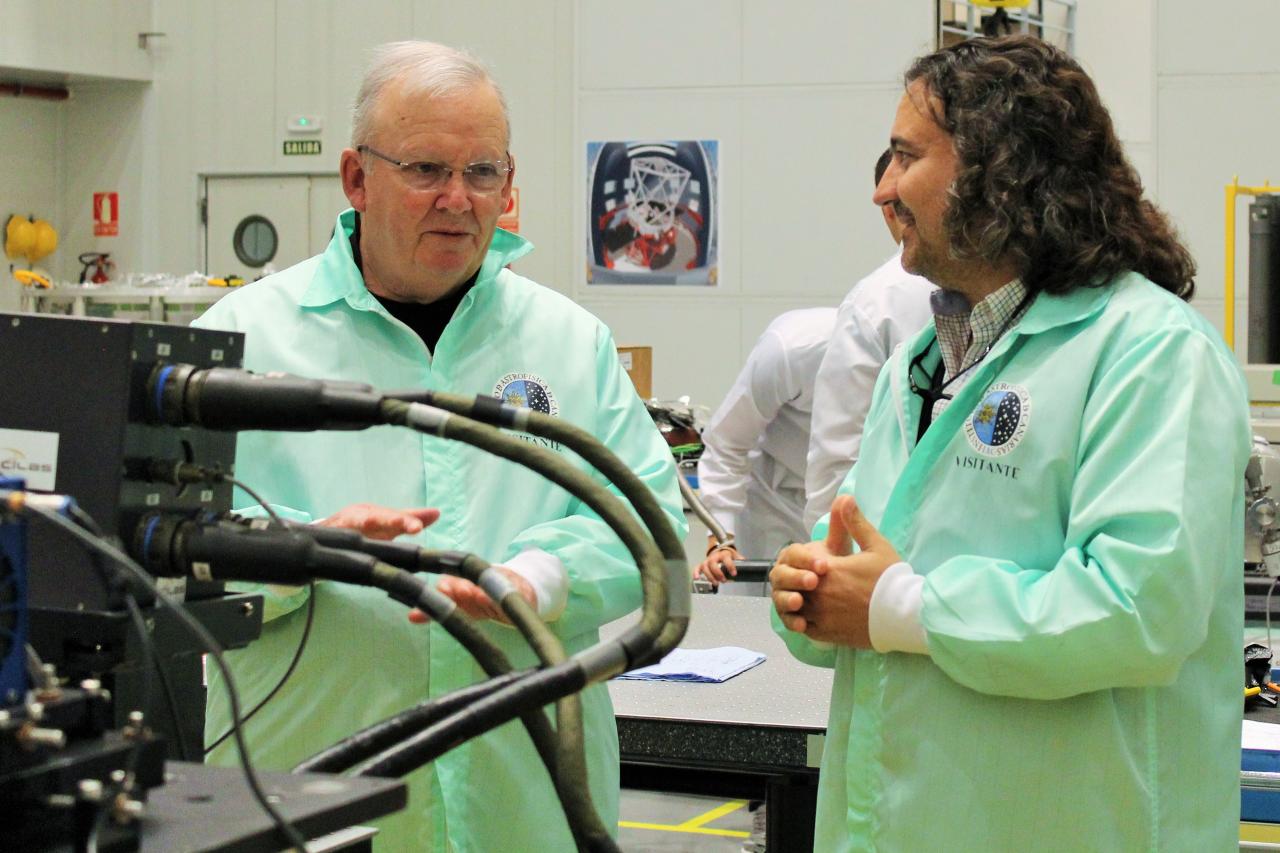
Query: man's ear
[[511, 177], [351, 169]]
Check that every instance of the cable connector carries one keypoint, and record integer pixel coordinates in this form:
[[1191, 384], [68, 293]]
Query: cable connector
[[168, 470], [226, 398], [150, 470]]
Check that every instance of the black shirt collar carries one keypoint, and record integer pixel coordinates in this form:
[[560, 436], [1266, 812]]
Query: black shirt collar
[[426, 319]]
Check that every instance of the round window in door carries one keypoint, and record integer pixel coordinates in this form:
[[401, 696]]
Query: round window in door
[[255, 241]]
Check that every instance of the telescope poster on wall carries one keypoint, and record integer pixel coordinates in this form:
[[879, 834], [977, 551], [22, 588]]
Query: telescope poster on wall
[[652, 216]]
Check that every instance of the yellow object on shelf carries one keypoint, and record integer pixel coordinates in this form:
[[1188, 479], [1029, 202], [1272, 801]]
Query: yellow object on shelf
[[19, 237], [32, 279], [46, 240], [1001, 4]]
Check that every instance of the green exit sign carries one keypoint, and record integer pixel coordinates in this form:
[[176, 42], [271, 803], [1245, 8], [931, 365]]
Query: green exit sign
[[301, 146]]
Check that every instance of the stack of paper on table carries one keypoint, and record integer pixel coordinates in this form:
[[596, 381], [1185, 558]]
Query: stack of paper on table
[[700, 665]]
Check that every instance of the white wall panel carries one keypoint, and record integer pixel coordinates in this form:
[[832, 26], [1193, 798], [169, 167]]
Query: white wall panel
[[674, 115], [1211, 129], [831, 41], [695, 347], [98, 38], [358, 25], [303, 54], [1116, 44], [31, 137], [321, 51], [210, 109], [104, 142], [1195, 37], [660, 43], [232, 127], [809, 227], [523, 46]]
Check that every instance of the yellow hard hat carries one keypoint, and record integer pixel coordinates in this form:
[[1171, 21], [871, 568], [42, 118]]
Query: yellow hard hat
[[19, 237], [45, 242]]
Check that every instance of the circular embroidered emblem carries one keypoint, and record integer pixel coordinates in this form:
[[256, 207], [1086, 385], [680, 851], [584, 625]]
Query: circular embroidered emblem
[[527, 390], [1000, 421]]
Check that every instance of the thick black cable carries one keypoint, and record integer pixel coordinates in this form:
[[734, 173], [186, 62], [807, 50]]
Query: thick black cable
[[288, 833], [266, 553], [668, 634], [584, 822], [650, 640], [571, 747], [367, 742], [605, 503], [540, 637], [501, 706], [581, 442]]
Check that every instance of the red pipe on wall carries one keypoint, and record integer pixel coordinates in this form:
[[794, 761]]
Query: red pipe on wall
[[44, 93]]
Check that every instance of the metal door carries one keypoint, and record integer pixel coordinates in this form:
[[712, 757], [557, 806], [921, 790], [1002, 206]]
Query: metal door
[[256, 224]]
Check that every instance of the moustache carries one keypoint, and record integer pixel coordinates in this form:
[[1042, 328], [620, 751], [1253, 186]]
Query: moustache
[[904, 215]]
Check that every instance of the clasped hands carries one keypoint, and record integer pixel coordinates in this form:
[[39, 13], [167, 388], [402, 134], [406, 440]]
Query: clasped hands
[[822, 589], [379, 522]]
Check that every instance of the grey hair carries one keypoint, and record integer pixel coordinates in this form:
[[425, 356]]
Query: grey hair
[[428, 68]]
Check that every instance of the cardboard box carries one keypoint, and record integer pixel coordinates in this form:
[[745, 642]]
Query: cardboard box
[[638, 362]]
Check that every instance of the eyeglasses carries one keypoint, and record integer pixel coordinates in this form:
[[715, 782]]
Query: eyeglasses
[[483, 176]]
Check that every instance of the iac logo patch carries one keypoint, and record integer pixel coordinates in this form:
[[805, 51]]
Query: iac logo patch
[[1000, 421], [30, 455], [527, 390]]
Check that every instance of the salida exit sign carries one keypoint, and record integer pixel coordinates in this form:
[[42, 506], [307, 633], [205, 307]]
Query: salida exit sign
[[302, 146]]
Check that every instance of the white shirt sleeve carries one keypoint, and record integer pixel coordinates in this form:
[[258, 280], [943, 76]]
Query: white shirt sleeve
[[893, 618], [548, 577], [841, 397], [881, 311], [763, 386]]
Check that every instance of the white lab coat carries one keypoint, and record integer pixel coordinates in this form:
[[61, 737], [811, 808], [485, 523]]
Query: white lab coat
[[880, 312], [751, 474]]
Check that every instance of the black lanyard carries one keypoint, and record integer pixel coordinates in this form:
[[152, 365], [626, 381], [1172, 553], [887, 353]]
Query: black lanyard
[[934, 392], [937, 388]]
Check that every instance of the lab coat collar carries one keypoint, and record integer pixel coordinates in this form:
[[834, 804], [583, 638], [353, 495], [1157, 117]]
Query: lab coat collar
[[1049, 311], [337, 278]]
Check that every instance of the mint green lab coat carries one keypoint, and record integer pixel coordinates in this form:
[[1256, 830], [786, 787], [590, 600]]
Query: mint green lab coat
[[364, 660], [1082, 594]]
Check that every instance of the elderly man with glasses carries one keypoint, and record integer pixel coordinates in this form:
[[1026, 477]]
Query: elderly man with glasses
[[414, 290]]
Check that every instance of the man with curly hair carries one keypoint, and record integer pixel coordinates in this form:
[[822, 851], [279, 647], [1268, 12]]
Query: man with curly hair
[[1029, 585]]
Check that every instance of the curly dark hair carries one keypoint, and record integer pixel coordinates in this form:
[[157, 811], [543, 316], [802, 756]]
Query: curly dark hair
[[1042, 178]]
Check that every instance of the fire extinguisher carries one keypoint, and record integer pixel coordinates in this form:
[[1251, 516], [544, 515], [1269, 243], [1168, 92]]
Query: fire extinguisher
[[102, 267]]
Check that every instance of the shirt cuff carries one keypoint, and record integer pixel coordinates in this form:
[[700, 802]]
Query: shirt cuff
[[893, 618], [547, 575]]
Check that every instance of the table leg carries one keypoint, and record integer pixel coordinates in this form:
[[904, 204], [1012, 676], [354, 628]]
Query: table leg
[[792, 802]]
